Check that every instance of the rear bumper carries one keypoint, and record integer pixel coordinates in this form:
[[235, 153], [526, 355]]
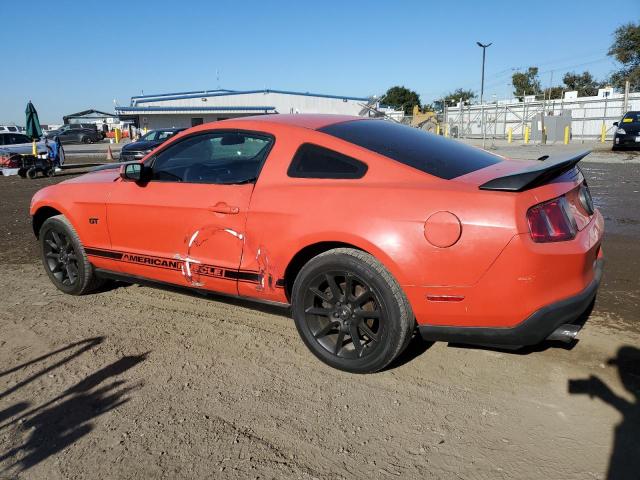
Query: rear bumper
[[534, 329]]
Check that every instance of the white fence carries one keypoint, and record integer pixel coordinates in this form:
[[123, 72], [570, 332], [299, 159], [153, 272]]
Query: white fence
[[588, 114]]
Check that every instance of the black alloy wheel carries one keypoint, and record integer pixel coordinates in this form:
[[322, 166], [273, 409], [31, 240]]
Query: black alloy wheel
[[350, 311], [343, 314], [65, 259], [61, 257]]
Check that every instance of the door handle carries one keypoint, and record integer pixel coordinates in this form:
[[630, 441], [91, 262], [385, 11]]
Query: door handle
[[222, 207]]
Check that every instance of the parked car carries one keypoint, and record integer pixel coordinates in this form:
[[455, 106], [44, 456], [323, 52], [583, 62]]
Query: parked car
[[146, 143], [627, 134], [19, 143], [368, 228], [11, 128], [76, 134]]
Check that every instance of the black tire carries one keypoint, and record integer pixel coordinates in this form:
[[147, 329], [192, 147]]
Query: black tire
[[361, 332], [64, 258], [49, 172], [85, 140], [32, 173], [22, 173]]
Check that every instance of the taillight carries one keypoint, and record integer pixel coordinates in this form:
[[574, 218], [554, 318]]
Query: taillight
[[551, 221], [585, 199]]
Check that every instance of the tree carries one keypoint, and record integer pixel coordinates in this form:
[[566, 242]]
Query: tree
[[583, 83], [453, 98], [626, 50], [431, 107], [526, 83], [401, 98], [554, 92]]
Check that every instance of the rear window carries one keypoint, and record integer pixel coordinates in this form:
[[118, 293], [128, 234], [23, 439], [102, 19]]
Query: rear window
[[416, 148], [312, 161]]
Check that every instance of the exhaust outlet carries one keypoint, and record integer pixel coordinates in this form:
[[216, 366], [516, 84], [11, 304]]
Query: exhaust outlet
[[566, 333]]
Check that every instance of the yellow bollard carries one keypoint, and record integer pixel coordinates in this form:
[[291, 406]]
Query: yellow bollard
[[526, 134], [446, 130], [116, 134], [437, 129], [509, 135], [566, 135], [603, 133], [34, 149]]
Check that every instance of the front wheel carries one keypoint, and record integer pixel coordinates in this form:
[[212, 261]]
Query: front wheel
[[64, 258], [350, 311]]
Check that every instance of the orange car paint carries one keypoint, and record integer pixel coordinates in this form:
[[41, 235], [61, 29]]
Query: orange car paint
[[239, 239]]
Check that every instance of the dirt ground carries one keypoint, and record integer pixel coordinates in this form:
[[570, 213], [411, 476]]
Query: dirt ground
[[136, 382]]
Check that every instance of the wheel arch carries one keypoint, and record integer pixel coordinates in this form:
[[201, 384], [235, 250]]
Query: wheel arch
[[306, 253], [41, 215]]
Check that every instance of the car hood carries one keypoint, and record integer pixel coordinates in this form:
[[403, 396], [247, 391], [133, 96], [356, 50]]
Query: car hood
[[104, 175], [141, 146]]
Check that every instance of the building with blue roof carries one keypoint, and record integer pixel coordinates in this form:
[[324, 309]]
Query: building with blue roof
[[187, 109]]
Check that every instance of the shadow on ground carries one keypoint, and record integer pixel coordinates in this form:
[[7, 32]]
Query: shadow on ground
[[61, 421], [625, 458]]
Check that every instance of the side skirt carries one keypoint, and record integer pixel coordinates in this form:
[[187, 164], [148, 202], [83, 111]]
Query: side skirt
[[123, 277]]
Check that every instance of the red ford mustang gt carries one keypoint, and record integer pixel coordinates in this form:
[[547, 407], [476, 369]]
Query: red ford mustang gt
[[367, 228]]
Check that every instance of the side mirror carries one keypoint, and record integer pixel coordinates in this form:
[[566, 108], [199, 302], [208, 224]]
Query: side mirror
[[131, 172], [615, 124]]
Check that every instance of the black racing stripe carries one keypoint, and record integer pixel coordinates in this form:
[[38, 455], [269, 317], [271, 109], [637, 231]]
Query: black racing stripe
[[247, 276], [96, 252], [152, 261], [243, 276]]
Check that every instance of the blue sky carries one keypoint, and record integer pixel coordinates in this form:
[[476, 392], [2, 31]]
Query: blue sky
[[82, 55]]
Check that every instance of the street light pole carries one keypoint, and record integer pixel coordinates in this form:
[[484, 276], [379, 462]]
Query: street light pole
[[484, 51]]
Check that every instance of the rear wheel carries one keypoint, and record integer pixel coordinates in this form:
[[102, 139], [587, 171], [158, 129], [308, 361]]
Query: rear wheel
[[350, 311], [85, 140], [32, 173], [64, 258]]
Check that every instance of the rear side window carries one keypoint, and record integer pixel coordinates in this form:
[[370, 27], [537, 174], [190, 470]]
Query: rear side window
[[416, 148], [312, 161]]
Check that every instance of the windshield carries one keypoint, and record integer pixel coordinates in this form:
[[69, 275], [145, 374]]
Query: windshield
[[155, 135], [631, 117]]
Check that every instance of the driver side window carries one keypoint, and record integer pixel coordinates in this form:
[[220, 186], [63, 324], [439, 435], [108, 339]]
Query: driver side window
[[219, 158]]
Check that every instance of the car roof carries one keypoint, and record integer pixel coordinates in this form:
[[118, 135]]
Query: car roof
[[302, 120]]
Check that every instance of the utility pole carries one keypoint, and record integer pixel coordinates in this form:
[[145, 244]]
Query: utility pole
[[484, 51], [543, 134], [625, 102]]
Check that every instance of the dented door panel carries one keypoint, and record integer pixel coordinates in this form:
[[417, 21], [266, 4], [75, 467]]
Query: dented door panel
[[178, 232]]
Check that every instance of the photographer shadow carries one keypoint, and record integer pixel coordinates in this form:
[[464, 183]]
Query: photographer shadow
[[625, 459]]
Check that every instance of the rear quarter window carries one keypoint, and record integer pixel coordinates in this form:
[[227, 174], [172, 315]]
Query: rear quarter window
[[423, 151], [313, 161]]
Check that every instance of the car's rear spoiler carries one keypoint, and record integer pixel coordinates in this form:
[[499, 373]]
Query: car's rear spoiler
[[535, 175]]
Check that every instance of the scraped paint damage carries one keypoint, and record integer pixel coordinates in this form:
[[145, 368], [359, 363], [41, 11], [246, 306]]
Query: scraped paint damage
[[191, 266]]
